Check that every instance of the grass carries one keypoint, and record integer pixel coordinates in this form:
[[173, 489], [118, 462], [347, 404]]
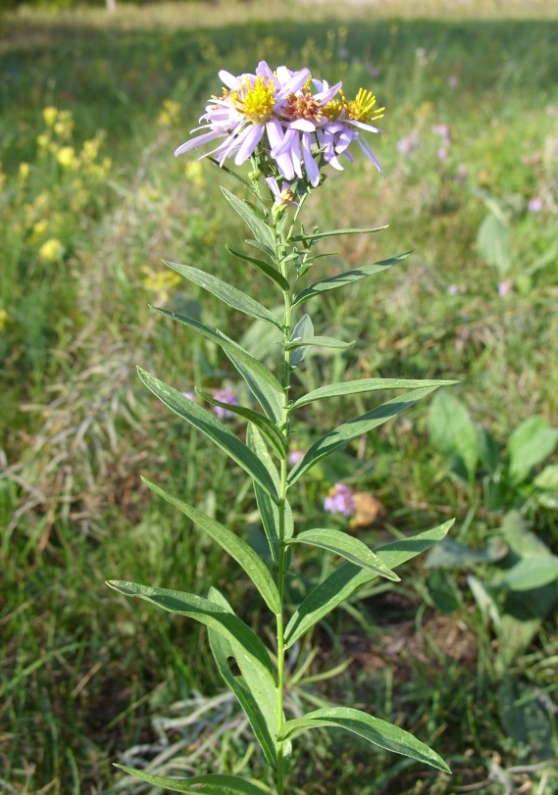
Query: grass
[[84, 673]]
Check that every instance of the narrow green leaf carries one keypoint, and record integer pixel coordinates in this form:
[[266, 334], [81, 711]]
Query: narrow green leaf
[[208, 613], [348, 578], [262, 383], [234, 174], [318, 342], [303, 332], [234, 546], [270, 252], [348, 277], [378, 732], [335, 232], [267, 269], [230, 295], [355, 428], [364, 385], [276, 438], [215, 430], [255, 691], [212, 784], [260, 229], [348, 547]]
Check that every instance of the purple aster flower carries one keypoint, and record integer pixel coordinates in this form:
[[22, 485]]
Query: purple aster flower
[[453, 289], [406, 145], [442, 154], [535, 205], [225, 395], [453, 81], [295, 456], [444, 132], [340, 499], [504, 287]]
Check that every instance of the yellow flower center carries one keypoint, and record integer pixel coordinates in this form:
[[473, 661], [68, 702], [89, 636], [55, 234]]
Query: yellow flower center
[[303, 106], [360, 108], [255, 102], [333, 109]]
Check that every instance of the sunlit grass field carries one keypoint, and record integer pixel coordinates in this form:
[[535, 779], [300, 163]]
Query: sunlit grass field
[[92, 200]]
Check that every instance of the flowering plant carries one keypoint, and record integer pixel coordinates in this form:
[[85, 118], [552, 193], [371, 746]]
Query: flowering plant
[[291, 135]]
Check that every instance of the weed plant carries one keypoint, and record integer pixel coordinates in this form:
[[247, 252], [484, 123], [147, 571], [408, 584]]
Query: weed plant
[[81, 670]]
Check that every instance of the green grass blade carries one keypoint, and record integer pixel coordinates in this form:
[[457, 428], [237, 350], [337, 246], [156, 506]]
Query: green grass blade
[[226, 292], [364, 385], [256, 692], [267, 269], [234, 546], [347, 579], [261, 230], [208, 613], [348, 277], [378, 732], [348, 547], [355, 428], [335, 232], [215, 430], [212, 784]]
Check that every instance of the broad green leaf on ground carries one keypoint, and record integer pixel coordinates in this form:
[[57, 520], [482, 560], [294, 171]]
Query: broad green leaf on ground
[[234, 546], [212, 784], [261, 230], [303, 332], [230, 295], [364, 385], [347, 547], [494, 243], [318, 342], [213, 616], [268, 270], [263, 384], [530, 443], [347, 277], [548, 478], [531, 572], [348, 578], [256, 691], [335, 233], [355, 428], [378, 732], [269, 510], [453, 555], [215, 430], [271, 431], [454, 434]]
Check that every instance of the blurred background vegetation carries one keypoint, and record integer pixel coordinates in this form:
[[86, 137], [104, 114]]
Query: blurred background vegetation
[[464, 653]]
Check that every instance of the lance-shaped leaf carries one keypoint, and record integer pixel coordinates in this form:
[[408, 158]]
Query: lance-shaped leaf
[[269, 511], [215, 430], [238, 549], [261, 230], [348, 547], [364, 385], [261, 247], [378, 732], [348, 277], [303, 332], [267, 269], [355, 428], [335, 233], [255, 691], [348, 578], [230, 295], [215, 617], [211, 784], [271, 431], [262, 383], [235, 174], [318, 342]]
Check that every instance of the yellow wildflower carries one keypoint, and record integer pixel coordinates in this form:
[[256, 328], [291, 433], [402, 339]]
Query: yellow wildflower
[[52, 250]]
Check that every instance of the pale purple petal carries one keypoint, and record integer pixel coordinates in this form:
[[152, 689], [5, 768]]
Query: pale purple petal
[[305, 125], [312, 169], [229, 80], [249, 144], [364, 145], [195, 142]]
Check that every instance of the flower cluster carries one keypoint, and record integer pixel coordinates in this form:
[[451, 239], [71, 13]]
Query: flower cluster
[[340, 499], [299, 122]]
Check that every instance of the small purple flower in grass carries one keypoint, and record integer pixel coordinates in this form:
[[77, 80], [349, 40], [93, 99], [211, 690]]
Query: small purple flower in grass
[[535, 205], [225, 395], [444, 132], [340, 499], [190, 395], [453, 81], [407, 144], [504, 287], [295, 456], [453, 289]]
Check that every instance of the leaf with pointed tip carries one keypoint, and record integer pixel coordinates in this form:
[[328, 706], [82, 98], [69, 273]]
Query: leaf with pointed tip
[[206, 612], [255, 691], [348, 578], [267, 269], [230, 295], [335, 232], [261, 247], [261, 230], [234, 174], [212, 784], [355, 428], [215, 430], [234, 546], [348, 547], [262, 383], [303, 331], [378, 732], [318, 342], [348, 277], [271, 431], [364, 385]]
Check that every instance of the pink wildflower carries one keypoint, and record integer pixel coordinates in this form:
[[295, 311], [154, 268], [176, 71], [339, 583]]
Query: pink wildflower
[[225, 395], [340, 499]]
